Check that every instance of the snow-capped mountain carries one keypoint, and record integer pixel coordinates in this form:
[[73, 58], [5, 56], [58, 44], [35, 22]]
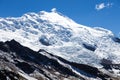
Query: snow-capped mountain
[[62, 36]]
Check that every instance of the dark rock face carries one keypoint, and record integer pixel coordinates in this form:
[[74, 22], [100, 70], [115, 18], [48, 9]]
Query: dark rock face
[[4, 47], [89, 47], [116, 39], [10, 75], [106, 63], [27, 68], [41, 65], [109, 65]]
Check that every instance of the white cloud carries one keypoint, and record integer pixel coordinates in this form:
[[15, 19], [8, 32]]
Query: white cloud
[[103, 5], [100, 6], [109, 5]]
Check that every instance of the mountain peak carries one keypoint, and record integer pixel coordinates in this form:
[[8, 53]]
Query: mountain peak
[[61, 36], [53, 9]]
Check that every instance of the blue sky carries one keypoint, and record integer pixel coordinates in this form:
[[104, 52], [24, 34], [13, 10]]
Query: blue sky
[[94, 13]]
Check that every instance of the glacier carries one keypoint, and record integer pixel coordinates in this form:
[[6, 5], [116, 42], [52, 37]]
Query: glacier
[[61, 36]]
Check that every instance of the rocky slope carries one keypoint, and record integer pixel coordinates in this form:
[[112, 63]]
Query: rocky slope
[[21, 63]]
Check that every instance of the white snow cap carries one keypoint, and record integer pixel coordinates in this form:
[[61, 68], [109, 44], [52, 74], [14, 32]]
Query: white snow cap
[[54, 10]]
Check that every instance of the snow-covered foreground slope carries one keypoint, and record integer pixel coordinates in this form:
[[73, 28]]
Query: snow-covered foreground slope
[[61, 36]]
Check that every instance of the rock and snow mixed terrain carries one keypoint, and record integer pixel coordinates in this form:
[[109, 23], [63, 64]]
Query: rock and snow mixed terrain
[[63, 37], [21, 63]]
